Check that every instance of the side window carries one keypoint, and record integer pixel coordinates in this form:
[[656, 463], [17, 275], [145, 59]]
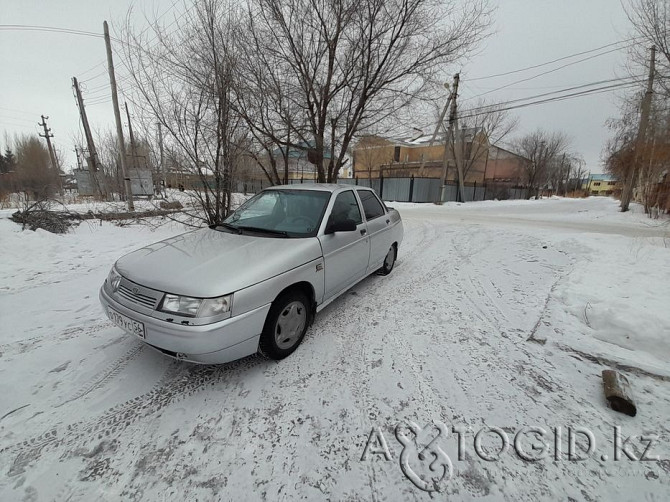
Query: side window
[[345, 207], [371, 206]]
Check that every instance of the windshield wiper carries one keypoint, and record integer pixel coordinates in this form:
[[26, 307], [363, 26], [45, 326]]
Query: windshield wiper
[[264, 230], [228, 226]]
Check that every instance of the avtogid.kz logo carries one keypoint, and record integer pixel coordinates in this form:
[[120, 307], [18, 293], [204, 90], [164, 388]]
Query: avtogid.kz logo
[[425, 463]]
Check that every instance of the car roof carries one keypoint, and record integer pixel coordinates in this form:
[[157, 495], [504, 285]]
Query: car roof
[[322, 187]]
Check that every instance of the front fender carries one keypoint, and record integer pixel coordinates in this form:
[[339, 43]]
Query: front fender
[[266, 291]]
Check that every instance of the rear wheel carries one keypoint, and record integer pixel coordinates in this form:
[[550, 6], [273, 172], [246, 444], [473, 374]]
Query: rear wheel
[[389, 261], [286, 325]]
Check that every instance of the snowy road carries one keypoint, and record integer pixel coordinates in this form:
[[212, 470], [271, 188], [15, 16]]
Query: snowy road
[[497, 315]]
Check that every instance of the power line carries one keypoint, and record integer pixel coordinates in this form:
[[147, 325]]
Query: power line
[[16, 110], [97, 75], [105, 85], [169, 9], [540, 74], [11, 117], [510, 105], [552, 61], [597, 90], [99, 98], [14, 124], [100, 102], [52, 29], [625, 81], [92, 68]]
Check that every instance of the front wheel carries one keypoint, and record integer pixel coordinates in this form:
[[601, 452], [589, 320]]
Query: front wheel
[[285, 326], [389, 262]]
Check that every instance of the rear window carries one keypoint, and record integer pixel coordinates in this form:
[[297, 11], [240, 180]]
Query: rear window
[[371, 205]]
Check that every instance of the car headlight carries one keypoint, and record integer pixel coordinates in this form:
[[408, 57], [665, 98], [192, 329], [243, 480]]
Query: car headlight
[[114, 279], [196, 307], [215, 306]]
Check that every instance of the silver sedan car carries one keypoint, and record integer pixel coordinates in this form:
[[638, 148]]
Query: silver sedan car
[[254, 282]]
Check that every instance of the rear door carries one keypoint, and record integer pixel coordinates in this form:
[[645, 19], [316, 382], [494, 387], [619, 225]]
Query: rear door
[[378, 221], [345, 254]]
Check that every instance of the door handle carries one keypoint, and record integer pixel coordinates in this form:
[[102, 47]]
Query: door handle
[[388, 221], [363, 232]]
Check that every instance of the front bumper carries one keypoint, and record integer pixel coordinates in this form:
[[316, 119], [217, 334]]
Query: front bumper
[[215, 343]]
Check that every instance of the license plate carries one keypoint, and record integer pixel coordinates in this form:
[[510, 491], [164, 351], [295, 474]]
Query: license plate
[[126, 323]]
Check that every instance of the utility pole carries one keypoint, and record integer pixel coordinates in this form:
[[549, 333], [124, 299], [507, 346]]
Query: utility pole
[[52, 155], [117, 117], [645, 110], [458, 155], [161, 167], [48, 135], [453, 124], [76, 152], [132, 138], [93, 160], [437, 128]]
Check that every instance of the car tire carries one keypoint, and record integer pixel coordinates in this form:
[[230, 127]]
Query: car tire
[[389, 261], [285, 325]]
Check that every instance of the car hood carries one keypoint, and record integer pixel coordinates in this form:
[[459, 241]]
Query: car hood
[[207, 263]]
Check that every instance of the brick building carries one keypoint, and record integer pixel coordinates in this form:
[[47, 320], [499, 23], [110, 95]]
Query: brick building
[[406, 157]]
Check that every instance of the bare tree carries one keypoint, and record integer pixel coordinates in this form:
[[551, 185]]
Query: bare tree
[[575, 173], [650, 20], [330, 69], [543, 151], [654, 160], [35, 176], [184, 78], [636, 152], [371, 153]]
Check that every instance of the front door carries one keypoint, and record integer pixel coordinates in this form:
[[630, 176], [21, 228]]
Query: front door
[[345, 254]]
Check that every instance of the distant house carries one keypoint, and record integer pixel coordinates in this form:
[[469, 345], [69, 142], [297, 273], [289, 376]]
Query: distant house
[[601, 184], [505, 165], [406, 157], [300, 166]]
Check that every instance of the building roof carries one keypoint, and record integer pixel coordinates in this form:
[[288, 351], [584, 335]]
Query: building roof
[[300, 151], [424, 139], [507, 150], [602, 177]]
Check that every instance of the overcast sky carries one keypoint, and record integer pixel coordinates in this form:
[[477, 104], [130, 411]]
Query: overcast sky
[[36, 67]]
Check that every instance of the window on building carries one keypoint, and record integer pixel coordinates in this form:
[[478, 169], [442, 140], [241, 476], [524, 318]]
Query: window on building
[[596, 184], [371, 205], [611, 183], [396, 154]]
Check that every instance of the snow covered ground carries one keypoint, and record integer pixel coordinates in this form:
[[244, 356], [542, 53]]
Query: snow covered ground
[[82, 205], [497, 315]]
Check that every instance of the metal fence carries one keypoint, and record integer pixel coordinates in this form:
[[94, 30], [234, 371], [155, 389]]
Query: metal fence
[[429, 190], [414, 189], [88, 183]]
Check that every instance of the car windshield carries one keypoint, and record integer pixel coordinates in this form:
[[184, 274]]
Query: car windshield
[[281, 213]]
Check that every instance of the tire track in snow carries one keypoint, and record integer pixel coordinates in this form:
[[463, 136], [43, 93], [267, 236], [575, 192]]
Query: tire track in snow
[[30, 344], [111, 371], [179, 383], [355, 362]]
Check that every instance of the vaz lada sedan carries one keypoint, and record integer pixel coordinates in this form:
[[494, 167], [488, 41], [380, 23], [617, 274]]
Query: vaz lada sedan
[[254, 282]]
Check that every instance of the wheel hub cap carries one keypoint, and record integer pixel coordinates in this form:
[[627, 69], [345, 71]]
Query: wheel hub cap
[[290, 324]]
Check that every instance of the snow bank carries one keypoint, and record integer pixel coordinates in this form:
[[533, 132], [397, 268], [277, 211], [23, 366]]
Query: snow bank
[[621, 296]]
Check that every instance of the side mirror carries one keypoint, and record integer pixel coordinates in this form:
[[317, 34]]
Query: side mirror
[[340, 226]]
